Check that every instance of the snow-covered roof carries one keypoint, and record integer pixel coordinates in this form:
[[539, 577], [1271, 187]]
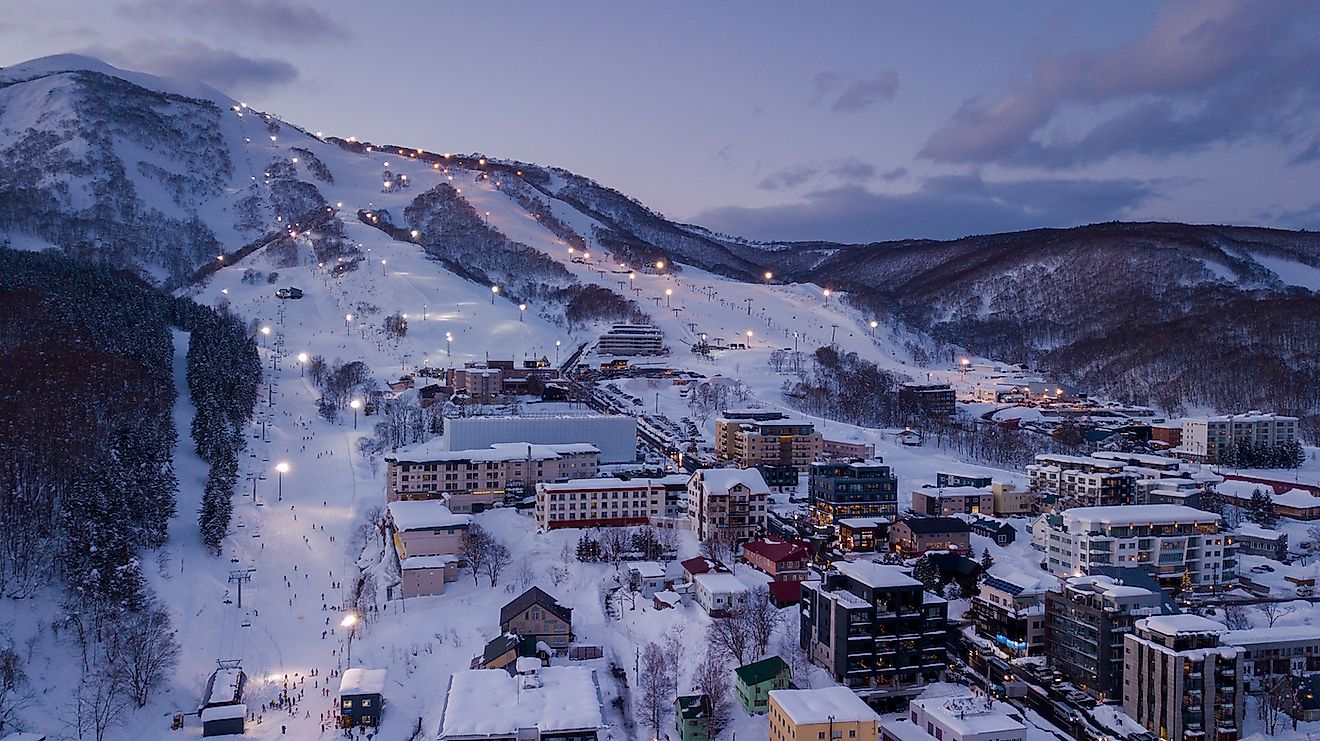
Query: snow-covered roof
[[954, 491], [613, 484], [876, 575], [1252, 530], [525, 664], [720, 582], [723, 479], [427, 562], [1016, 583], [648, 569], [1107, 585], [359, 681], [861, 522], [1140, 514], [219, 712], [968, 716], [423, 514], [1172, 625], [1277, 634], [434, 451], [1297, 498], [822, 705], [225, 685], [485, 703]]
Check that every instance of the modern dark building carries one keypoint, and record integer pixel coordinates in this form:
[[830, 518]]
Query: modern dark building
[[361, 694], [779, 478], [946, 479], [860, 489], [875, 630], [999, 531], [930, 399], [1085, 623]]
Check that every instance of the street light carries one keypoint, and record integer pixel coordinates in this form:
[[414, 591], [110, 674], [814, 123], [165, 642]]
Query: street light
[[556, 352], [302, 362], [449, 337], [348, 318], [874, 324], [827, 295], [350, 621], [494, 290], [660, 265], [356, 404], [769, 275], [669, 292], [521, 308], [281, 468]]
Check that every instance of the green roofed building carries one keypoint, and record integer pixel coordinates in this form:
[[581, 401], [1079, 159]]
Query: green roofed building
[[754, 682]]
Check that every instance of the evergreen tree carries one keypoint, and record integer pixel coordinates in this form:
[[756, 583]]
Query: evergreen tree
[[1260, 509], [588, 549], [986, 560], [925, 572]]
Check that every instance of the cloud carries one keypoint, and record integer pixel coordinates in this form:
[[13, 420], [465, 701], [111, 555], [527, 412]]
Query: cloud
[[850, 94], [1204, 73], [1310, 154], [943, 208], [220, 68], [846, 170], [894, 174], [270, 19], [724, 154], [862, 94]]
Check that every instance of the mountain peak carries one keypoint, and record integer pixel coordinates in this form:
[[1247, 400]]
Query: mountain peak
[[70, 62]]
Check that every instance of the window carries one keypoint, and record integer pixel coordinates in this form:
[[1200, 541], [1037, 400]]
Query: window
[[366, 702], [348, 704]]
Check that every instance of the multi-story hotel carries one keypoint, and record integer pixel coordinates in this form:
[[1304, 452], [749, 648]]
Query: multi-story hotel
[[476, 478], [1089, 482], [605, 502], [758, 437], [1175, 543], [1210, 438], [839, 491], [1181, 681], [729, 501], [631, 339], [1085, 622], [875, 630]]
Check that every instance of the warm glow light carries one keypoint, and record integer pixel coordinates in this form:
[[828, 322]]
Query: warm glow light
[[356, 403], [348, 317], [827, 293], [302, 357], [282, 467], [349, 620], [769, 275], [669, 292], [494, 289], [265, 330], [660, 265], [522, 307], [874, 324]]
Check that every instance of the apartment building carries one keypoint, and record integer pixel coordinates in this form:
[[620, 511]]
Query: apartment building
[[1085, 621], [875, 630], [427, 471], [953, 500], [1009, 610], [631, 339], [931, 399], [1271, 653], [1210, 438], [756, 437], [602, 502], [837, 712], [1181, 681], [1174, 543], [865, 489], [427, 539], [1088, 482], [969, 717], [1254, 540], [731, 501], [913, 536]]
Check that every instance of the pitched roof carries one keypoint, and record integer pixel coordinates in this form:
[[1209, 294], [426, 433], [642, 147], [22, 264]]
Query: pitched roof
[[498, 646], [692, 707], [927, 525], [786, 592], [700, 565], [761, 671], [778, 550], [535, 596]]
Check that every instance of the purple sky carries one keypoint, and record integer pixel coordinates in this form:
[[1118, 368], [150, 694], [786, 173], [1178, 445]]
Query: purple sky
[[846, 121]]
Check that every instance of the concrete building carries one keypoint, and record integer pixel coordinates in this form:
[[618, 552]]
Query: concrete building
[[476, 479], [1172, 542], [970, 717], [1181, 681], [1254, 540], [756, 437], [1209, 439], [844, 450], [913, 536], [1087, 482], [952, 479], [875, 630], [560, 703], [863, 533], [730, 501], [781, 560], [631, 339], [837, 712], [1270, 653], [602, 502], [614, 435], [1085, 621], [849, 490], [718, 592], [930, 399], [428, 539], [954, 500], [1009, 610]]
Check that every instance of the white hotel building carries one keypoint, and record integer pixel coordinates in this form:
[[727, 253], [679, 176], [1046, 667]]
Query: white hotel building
[[1169, 539]]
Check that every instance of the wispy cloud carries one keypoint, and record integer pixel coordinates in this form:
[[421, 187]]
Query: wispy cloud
[[269, 19], [222, 69], [847, 93]]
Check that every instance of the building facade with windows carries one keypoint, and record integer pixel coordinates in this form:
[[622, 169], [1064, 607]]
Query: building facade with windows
[[426, 471], [603, 502], [864, 489], [729, 501], [1181, 681], [1210, 439], [756, 437]]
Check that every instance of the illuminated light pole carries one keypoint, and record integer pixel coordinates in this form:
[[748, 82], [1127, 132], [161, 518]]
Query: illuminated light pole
[[382, 266], [521, 309], [494, 290], [769, 275], [874, 324], [660, 265], [302, 362], [348, 318], [669, 294], [281, 468], [449, 338], [350, 621], [749, 339], [265, 335], [827, 295], [557, 352], [356, 404]]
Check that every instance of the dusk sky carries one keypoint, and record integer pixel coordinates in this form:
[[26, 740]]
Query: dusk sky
[[843, 121]]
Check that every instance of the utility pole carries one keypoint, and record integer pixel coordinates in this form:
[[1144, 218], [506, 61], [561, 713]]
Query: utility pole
[[833, 328], [748, 301], [238, 577]]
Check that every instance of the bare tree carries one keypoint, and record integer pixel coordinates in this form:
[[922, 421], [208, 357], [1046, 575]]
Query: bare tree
[[1275, 610], [797, 658], [1235, 617], [673, 642], [497, 557], [97, 703], [718, 545], [15, 694], [1275, 703], [761, 618], [655, 687], [667, 537], [732, 637], [476, 546], [711, 679], [148, 652]]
